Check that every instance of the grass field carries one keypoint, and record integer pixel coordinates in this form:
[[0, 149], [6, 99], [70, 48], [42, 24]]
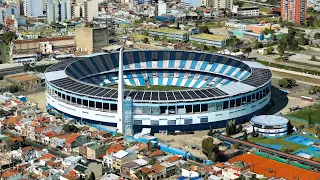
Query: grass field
[[154, 88], [304, 114], [279, 141]]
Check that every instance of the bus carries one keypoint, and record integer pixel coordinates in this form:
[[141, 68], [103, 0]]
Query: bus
[[305, 98]]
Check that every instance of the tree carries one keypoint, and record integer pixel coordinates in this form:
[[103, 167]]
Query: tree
[[204, 29], [257, 45], [309, 119], [273, 37], [247, 50], [233, 41], [317, 36], [269, 50], [209, 149], [92, 176], [318, 131], [9, 36], [303, 41], [152, 161], [287, 82], [210, 133], [281, 50], [245, 136], [239, 128], [164, 38], [227, 129], [145, 40], [313, 58], [2, 113], [156, 38], [70, 128]]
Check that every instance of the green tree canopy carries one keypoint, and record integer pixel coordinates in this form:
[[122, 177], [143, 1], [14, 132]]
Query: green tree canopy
[[287, 82], [209, 149]]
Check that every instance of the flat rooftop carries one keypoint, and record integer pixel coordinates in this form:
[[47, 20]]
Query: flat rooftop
[[213, 37], [169, 30]]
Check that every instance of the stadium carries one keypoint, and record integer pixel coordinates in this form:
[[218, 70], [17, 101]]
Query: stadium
[[165, 90], [270, 125]]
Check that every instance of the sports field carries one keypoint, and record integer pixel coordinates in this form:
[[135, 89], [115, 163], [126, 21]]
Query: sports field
[[154, 88], [271, 168]]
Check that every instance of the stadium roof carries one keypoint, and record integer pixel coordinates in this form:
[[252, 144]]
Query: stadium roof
[[57, 77], [270, 120]]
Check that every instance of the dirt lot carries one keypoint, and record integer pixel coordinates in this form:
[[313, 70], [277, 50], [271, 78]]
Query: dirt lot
[[182, 141], [39, 98]]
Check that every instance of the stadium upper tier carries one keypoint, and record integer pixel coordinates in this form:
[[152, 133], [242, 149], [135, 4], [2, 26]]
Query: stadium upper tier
[[209, 76]]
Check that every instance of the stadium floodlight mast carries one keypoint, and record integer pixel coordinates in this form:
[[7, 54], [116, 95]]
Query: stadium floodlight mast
[[120, 94]]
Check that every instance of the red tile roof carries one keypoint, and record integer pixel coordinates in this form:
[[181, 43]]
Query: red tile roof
[[114, 148], [173, 159], [40, 129], [156, 153], [9, 173], [145, 170], [72, 138], [157, 167], [47, 156], [27, 148]]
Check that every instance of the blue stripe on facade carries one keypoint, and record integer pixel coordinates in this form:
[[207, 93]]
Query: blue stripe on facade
[[245, 76], [198, 81], [204, 65], [193, 64], [214, 67], [217, 82], [182, 64], [171, 63]]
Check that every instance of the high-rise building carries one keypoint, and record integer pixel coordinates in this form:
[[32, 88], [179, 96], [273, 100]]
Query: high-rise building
[[294, 11], [1, 18], [58, 10], [51, 17], [76, 11], [162, 8], [217, 4], [10, 10], [65, 9], [187, 4], [90, 10], [91, 39], [33, 8]]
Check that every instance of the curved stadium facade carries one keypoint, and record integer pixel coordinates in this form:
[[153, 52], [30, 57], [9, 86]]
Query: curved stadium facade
[[210, 89]]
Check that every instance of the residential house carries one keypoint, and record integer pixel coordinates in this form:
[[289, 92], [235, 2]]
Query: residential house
[[39, 133], [70, 161], [157, 172], [114, 148], [96, 151], [75, 140], [117, 159], [86, 167], [58, 141], [236, 169], [11, 174], [170, 169], [130, 168]]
